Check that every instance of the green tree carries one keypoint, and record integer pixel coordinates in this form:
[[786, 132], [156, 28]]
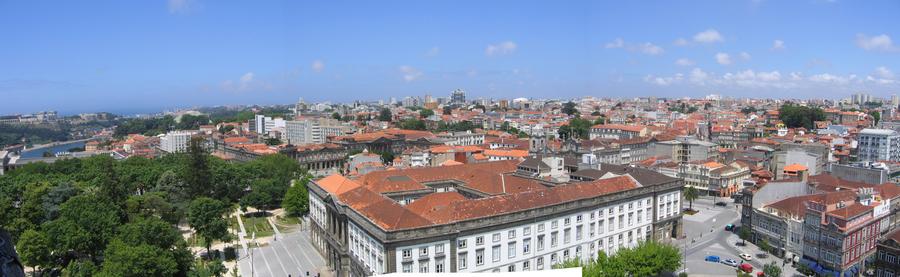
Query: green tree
[[764, 245], [412, 124], [197, 174], [121, 259], [577, 128], [34, 249], [691, 194], [876, 116], [424, 113], [795, 116], [211, 268], [805, 270], [152, 204], [80, 268], [385, 115], [273, 141], [85, 225], [744, 234], [336, 115], [649, 258], [296, 200], [448, 110], [741, 273], [772, 270], [205, 216], [569, 108]]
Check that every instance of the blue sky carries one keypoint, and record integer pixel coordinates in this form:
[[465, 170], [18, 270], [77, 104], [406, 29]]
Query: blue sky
[[140, 56]]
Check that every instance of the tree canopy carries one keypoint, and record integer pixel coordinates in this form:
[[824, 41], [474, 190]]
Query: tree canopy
[[569, 108], [649, 258], [795, 116], [577, 128]]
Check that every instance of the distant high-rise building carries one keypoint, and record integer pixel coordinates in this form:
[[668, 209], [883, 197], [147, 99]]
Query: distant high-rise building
[[299, 107], [895, 101], [311, 130], [458, 97]]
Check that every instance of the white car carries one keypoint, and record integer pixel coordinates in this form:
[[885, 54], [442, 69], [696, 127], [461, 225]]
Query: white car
[[746, 257]]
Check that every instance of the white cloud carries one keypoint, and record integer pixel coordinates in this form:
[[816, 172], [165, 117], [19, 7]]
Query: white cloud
[[698, 76], [708, 36], [778, 45], [180, 6], [723, 58], [434, 51], [616, 43], [750, 79], [884, 72], [680, 42], [684, 62], [644, 48], [318, 65], [410, 73], [650, 49], [503, 48], [745, 56], [245, 80], [878, 43]]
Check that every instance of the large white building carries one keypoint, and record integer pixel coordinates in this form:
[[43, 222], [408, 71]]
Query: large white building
[[486, 217], [175, 141], [878, 145], [264, 124], [311, 130]]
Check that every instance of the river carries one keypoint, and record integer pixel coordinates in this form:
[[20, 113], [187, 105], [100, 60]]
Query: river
[[63, 147]]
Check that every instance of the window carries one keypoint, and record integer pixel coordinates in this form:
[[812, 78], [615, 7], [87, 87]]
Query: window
[[553, 239], [578, 251], [526, 265], [479, 257], [423, 267], [630, 215], [511, 268], [600, 226], [479, 240], [630, 206], [553, 259], [511, 234], [496, 237], [611, 223], [526, 231], [540, 263], [639, 218], [639, 204], [578, 232], [567, 235], [540, 242], [461, 244], [495, 253], [621, 208], [554, 224], [567, 221], [461, 259], [526, 246], [621, 221], [578, 219], [566, 255], [407, 268], [423, 251], [511, 250], [438, 248], [592, 215], [592, 229], [407, 253], [541, 227], [439, 266]]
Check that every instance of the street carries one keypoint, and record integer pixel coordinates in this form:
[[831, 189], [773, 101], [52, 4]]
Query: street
[[291, 254], [705, 235]]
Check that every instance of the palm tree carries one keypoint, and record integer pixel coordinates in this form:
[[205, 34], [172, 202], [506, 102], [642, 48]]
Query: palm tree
[[690, 194]]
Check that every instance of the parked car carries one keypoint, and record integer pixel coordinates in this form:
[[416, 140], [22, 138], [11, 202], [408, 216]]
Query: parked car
[[746, 257], [746, 268], [722, 204], [712, 258], [729, 227], [730, 262]]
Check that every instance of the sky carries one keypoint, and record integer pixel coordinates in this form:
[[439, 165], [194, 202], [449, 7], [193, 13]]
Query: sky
[[147, 56]]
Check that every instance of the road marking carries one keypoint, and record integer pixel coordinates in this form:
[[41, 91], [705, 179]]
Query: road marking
[[263, 254], [278, 257]]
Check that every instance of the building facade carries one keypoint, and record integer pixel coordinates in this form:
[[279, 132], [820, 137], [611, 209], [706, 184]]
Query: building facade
[[484, 218], [878, 145]]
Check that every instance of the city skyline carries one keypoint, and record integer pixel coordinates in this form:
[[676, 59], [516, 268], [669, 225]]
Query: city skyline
[[150, 56]]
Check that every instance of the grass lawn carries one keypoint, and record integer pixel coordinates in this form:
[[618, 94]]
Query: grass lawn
[[259, 225], [287, 224]]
